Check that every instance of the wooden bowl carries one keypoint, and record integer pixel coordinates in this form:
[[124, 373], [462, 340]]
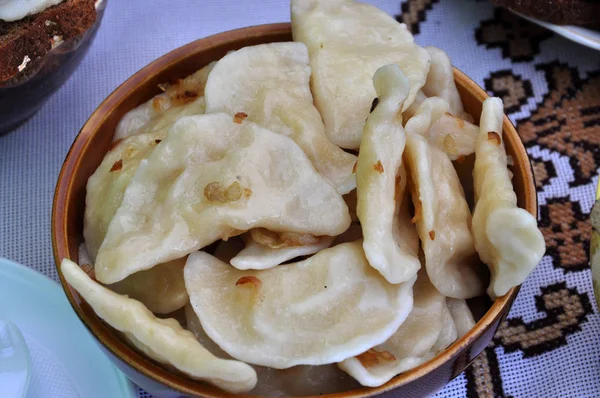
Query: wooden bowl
[[93, 142]]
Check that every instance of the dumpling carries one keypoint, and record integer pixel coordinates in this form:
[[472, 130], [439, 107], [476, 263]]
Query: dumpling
[[347, 42], [184, 97], [269, 84], [440, 81], [378, 176], [299, 381], [428, 330], [259, 256], [454, 136], [213, 177], [506, 237], [317, 311], [403, 228], [414, 107], [461, 315], [161, 288], [442, 215], [105, 188], [163, 340]]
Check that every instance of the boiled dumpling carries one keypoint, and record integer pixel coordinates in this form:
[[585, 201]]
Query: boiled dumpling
[[414, 107], [454, 136], [347, 42], [164, 340], [428, 330], [299, 381], [506, 237], [184, 97], [269, 84], [161, 288], [440, 81], [461, 315], [317, 311], [259, 256], [105, 188], [378, 176], [212, 178], [442, 214]]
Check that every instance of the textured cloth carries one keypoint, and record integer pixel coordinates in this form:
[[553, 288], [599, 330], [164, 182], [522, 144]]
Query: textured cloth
[[549, 346]]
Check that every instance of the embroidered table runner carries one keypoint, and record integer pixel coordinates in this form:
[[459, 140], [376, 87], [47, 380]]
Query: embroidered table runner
[[550, 344]]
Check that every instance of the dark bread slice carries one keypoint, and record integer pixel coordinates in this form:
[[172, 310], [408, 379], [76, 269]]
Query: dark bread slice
[[560, 12], [33, 35]]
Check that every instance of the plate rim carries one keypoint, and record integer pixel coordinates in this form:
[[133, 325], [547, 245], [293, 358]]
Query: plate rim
[[568, 32]]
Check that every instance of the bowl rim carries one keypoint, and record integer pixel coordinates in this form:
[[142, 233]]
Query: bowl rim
[[186, 385]]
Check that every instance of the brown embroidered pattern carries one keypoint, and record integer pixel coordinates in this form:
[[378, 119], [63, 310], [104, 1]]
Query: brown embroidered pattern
[[518, 38], [568, 120], [512, 88], [414, 12], [567, 231], [543, 170], [566, 309], [483, 376]]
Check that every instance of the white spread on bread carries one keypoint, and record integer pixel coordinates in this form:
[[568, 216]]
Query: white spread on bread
[[14, 10], [23, 65]]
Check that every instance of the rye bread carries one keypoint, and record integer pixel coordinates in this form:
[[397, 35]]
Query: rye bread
[[34, 35], [560, 12]]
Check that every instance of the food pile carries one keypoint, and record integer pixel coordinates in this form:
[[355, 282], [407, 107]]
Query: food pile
[[301, 202]]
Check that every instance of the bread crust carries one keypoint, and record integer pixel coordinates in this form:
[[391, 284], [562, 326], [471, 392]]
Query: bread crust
[[30, 38]]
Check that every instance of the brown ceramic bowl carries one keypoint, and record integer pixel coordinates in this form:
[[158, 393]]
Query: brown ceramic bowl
[[94, 141]]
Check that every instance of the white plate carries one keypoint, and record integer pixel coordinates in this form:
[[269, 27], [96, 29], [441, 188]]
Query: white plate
[[587, 37], [65, 360]]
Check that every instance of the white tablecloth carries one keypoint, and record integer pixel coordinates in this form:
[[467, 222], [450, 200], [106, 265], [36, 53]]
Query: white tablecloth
[[550, 346]]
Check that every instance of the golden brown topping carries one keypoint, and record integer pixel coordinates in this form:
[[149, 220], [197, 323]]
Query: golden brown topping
[[372, 358], [378, 167], [157, 104], [217, 192], [354, 167], [118, 165], [186, 97], [247, 192], [494, 137], [450, 144], [398, 179], [252, 280], [432, 235], [418, 212], [239, 117], [114, 144], [157, 141], [461, 123], [397, 192], [277, 240]]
